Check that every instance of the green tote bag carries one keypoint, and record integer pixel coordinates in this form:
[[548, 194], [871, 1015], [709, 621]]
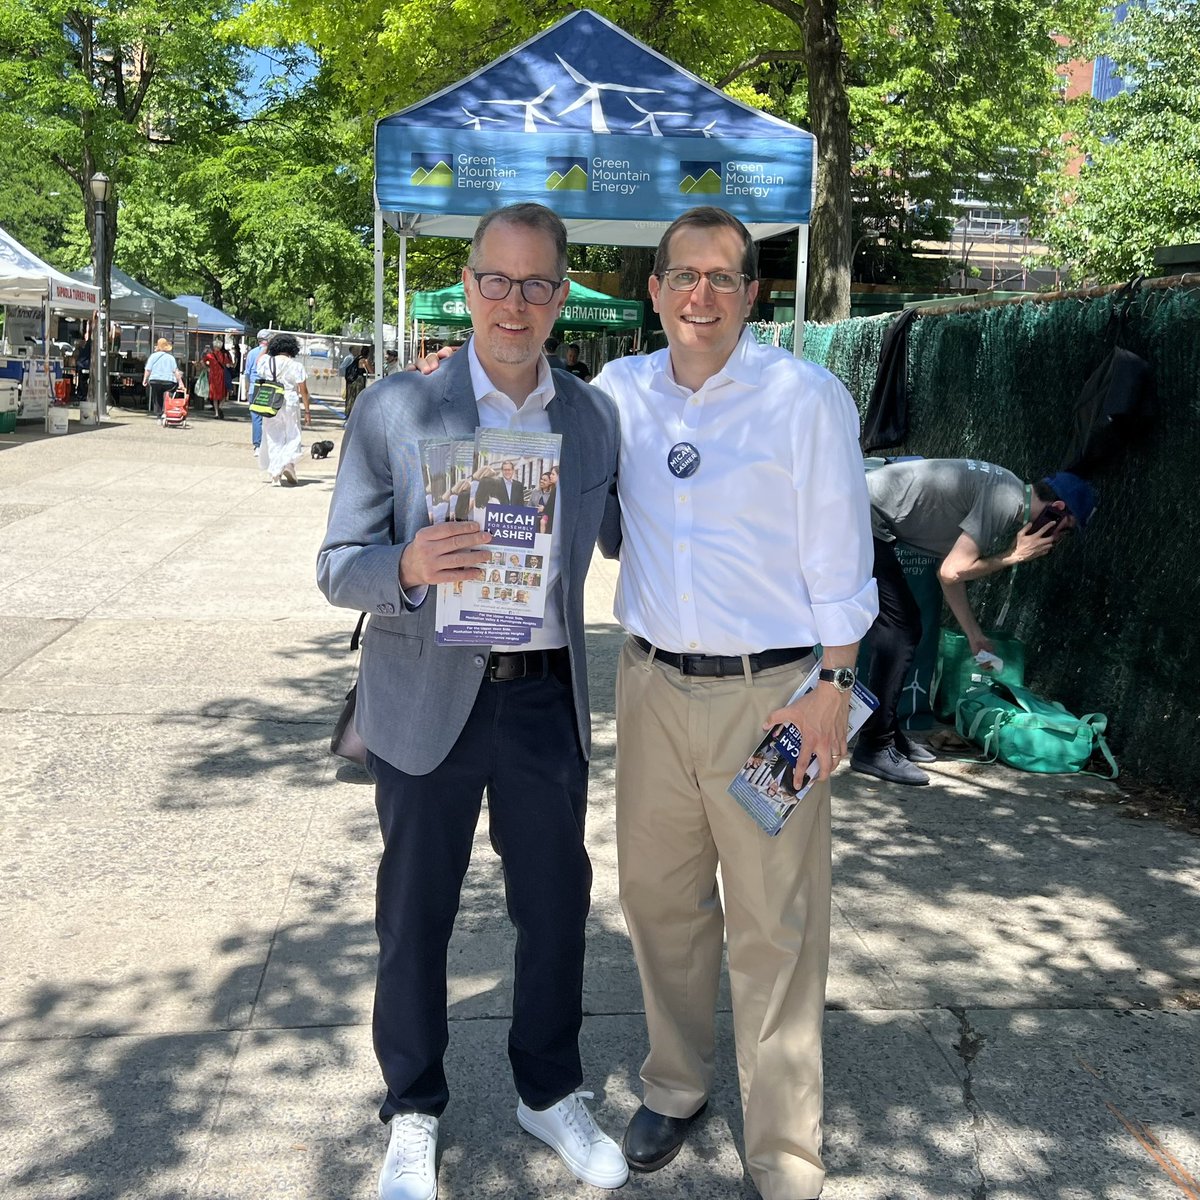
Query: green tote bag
[[1023, 730]]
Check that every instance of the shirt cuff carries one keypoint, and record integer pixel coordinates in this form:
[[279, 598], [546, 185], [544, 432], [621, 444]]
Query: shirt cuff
[[845, 622], [416, 597]]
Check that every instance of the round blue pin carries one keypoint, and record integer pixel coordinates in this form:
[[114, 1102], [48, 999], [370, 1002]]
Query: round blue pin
[[683, 460]]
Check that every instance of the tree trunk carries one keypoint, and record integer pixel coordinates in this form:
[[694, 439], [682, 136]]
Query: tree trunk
[[636, 264], [829, 114]]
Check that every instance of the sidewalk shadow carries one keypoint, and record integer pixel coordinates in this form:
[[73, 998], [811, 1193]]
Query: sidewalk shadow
[[1028, 862]]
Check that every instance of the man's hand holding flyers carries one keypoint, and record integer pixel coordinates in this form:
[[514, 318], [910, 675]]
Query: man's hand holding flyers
[[822, 717], [444, 553]]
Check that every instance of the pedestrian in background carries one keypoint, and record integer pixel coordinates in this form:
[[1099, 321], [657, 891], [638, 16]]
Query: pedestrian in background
[[161, 372], [282, 445], [264, 336], [217, 360], [357, 374]]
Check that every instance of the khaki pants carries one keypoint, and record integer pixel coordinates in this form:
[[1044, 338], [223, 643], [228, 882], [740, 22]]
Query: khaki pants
[[680, 741]]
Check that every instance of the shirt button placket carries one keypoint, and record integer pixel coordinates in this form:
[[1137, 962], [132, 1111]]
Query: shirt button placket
[[684, 584]]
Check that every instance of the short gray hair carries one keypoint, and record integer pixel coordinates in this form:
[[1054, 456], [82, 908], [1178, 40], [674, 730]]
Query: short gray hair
[[530, 216]]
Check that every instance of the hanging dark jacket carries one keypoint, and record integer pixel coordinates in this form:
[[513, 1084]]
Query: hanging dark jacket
[[886, 423]]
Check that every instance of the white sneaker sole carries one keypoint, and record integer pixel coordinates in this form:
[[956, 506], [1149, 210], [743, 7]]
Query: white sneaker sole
[[428, 1195], [581, 1171]]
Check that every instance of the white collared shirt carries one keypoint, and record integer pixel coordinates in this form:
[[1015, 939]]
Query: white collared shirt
[[768, 544], [499, 411]]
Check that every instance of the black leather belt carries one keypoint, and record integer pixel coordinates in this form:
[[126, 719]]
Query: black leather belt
[[527, 664], [721, 665]]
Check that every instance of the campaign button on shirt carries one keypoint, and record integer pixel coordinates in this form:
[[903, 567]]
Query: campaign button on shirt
[[683, 460]]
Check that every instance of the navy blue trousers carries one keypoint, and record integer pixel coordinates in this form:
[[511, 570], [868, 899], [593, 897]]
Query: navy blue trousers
[[520, 745]]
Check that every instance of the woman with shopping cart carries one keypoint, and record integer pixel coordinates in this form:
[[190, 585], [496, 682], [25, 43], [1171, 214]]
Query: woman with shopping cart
[[162, 372]]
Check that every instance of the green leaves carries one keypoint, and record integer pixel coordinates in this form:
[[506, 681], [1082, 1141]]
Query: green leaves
[[1139, 185]]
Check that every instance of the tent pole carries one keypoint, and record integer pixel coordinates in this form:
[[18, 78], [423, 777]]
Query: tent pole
[[801, 288], [378, 290], [401, 289]]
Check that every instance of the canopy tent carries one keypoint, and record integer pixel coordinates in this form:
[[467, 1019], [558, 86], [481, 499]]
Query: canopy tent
[[134, 302], [209, 319], [617, 139], [585, 309], [26, 279]]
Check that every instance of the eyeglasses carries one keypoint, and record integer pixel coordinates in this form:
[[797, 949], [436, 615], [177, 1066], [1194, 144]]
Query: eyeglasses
[[686, 279], [495, 287]]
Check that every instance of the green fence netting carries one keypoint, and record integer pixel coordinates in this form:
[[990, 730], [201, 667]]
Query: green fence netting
[[1111, 620]]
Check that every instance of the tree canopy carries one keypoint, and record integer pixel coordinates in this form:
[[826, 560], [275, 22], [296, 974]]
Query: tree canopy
[[1139, 185], [908, 98], [257, 205]]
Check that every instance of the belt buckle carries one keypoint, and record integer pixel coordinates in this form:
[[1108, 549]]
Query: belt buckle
[[504, 670]]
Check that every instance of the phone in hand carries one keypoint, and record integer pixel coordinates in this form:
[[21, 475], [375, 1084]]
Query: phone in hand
[[1048, 517]]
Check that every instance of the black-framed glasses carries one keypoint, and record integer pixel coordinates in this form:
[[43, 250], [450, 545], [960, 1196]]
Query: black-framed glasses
[[494, 286], [687, 279]]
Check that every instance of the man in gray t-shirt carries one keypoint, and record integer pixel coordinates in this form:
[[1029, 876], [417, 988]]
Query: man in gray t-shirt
[[977, 518], [929, 502]]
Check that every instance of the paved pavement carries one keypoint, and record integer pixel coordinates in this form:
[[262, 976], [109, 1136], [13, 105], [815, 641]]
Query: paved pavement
[[186, 880]]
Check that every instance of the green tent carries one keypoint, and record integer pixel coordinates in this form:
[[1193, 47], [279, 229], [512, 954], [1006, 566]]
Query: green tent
[[584, 309]]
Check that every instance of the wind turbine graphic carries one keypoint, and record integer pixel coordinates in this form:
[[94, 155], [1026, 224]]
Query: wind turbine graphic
[[707, 131], [533, 114], [649, 118], [475, 122], [592, 92]]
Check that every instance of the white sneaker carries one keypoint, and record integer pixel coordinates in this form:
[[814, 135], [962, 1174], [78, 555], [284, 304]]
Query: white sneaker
[[410, 1169], [571, 1131]]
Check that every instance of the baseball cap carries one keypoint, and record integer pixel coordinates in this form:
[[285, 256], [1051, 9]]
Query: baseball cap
[[264, 335], [1078, 495]]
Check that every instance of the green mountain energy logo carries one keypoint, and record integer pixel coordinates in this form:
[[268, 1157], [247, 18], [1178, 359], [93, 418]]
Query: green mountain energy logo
[[567, 174], [700, 178], [432, 170]]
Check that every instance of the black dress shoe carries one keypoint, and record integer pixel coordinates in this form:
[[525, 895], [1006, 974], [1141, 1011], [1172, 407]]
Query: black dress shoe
[[652, 1140]]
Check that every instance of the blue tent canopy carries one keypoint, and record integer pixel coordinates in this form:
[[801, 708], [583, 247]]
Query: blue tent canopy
[[617, 139], [586, 119], [209, 319]]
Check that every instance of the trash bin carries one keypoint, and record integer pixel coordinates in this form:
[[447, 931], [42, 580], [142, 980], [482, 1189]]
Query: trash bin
[[8, 406]]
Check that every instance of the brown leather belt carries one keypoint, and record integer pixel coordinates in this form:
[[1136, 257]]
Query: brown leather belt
[[527, 664], [720, 665]]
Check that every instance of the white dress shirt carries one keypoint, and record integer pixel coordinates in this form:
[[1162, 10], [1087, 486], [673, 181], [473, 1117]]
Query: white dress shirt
[[498, 411], [768, 544]]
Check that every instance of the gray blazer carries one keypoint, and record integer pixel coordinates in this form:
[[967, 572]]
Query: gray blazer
[[414, 696]]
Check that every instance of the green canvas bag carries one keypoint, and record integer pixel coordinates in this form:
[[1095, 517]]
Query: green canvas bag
[[958, 672], [268, 396], [1021, 729]]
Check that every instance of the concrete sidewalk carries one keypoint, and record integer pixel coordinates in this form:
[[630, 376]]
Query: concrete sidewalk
[[186, 883]]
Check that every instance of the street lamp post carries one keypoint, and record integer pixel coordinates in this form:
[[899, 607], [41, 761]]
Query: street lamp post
[[101, 188], [312, 303]]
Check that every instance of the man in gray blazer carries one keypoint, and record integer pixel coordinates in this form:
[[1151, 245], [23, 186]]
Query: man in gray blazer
[[442, 724]]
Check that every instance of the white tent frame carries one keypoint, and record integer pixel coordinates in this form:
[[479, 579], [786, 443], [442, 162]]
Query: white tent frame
[[408, 226]]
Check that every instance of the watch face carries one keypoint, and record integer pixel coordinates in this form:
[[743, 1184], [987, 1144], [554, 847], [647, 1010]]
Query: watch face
[[843, 679]]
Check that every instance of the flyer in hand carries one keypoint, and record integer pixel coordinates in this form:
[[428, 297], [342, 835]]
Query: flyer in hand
[[770, 786], [495, 480]]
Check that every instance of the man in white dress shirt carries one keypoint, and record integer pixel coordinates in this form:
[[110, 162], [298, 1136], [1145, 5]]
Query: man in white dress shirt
[[744, 540]]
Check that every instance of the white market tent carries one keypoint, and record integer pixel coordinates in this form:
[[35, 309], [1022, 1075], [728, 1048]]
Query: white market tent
[[133, 301], [26, 279], [617, 139]]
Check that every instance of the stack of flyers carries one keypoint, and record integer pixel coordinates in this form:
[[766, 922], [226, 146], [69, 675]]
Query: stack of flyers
[[506, 480], [769, 787]]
